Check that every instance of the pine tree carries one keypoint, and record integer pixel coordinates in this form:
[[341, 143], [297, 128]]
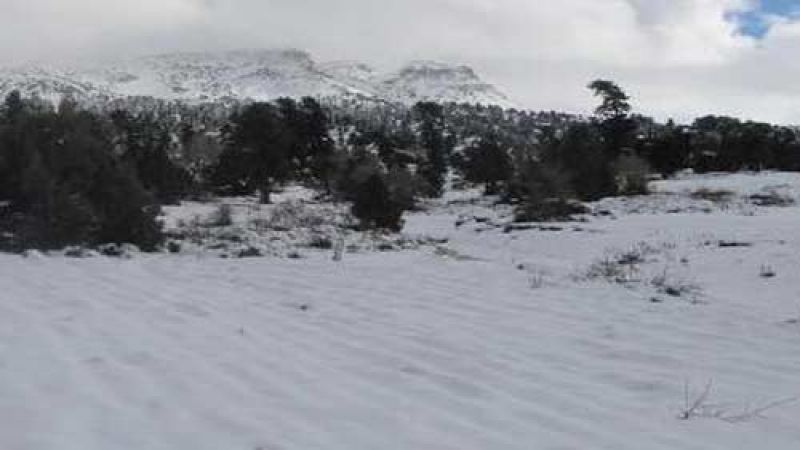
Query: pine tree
[[488, 161], [375, 205], [668, 150], [579, 154], [14, 106], [258, 150], [432, 139], [615, 124], [70, 188], [318, 147]]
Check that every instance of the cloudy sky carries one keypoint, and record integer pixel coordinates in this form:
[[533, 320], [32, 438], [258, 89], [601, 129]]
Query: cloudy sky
[[677, 58]]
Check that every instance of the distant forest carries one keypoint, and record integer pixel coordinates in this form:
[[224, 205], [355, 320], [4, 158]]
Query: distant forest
[[87, 176]]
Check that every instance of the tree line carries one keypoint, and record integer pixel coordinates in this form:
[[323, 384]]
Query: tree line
[[73, 176]]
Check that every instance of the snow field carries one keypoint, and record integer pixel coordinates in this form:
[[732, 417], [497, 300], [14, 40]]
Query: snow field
[[436, 348]]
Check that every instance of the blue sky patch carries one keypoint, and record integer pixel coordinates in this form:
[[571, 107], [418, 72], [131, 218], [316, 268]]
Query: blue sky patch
[[753, 23]]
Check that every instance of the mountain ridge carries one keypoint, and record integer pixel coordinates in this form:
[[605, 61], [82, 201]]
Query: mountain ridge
[[249, 74]]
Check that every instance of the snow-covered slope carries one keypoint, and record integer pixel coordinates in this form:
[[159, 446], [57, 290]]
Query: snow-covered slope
[[357, 75], [249, 74], [209, 76], [420, 81], [494, 341], [52, 85], [432, 81]]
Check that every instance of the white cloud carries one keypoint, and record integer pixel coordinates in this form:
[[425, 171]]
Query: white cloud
[[676, 57], [36, 29]]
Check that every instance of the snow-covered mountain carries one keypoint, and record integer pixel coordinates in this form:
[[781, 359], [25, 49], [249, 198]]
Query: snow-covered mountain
[[249, 74], [428, 80]]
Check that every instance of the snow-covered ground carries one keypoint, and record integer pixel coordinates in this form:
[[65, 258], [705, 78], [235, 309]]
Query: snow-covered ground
[[587, 335]]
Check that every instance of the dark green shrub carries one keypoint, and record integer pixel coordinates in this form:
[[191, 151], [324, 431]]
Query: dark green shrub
[[65, 187], [375, 206], [632, 174]]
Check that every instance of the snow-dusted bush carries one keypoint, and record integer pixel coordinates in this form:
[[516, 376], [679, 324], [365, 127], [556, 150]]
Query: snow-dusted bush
[[221, 217], [610, 269], [716, 196], [772, 198], [621, 266], [630, 267], [549, 210], [545, 193], [668, 283], [79, 252], [118, 251], [293, 215], [250, 252], [321, 242]]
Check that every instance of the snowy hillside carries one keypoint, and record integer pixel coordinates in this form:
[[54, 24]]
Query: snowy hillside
[[420, 81], [51, 85], [249, 74], [673, 327], [427, 80]]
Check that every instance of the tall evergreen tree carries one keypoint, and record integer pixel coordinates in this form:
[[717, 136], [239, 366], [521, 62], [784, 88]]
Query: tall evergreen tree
[[580, 154], [257, 152], [615, 123], [14, 106], [317, 147], [488, 162], [430, 117], [145, 144], [70, 187]]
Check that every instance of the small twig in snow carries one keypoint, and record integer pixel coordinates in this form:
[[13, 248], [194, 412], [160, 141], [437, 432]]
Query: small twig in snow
[[758, 412], [698, 404]]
